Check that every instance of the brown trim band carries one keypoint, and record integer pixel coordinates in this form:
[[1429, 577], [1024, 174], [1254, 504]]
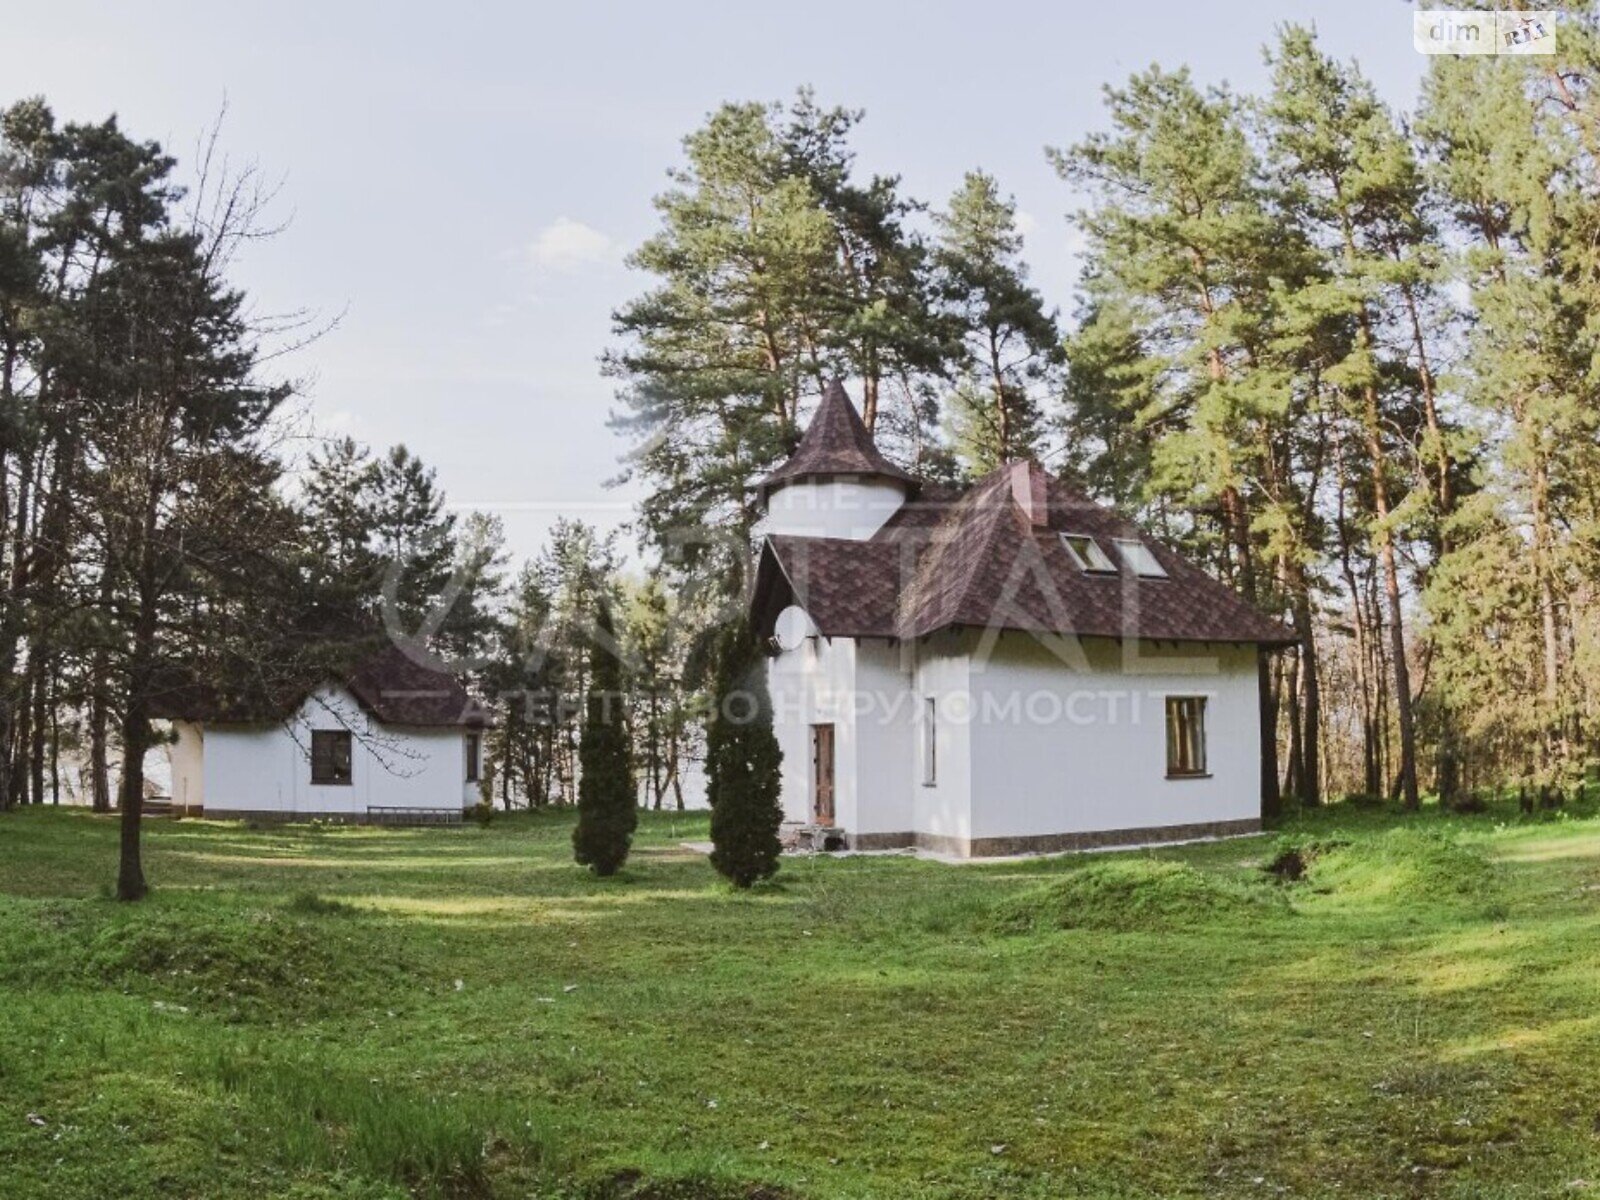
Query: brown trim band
[[274, 816], [1051, 843]]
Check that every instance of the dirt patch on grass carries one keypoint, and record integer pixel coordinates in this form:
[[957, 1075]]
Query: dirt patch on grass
[[1291, 860], [634, 1185], [311, 904], [1133, 894]]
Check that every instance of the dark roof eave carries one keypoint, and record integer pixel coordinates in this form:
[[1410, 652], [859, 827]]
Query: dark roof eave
[[765, 486]]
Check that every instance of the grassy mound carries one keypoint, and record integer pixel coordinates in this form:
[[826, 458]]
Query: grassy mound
[[253, 961], [1403, 864], [1132, 894]]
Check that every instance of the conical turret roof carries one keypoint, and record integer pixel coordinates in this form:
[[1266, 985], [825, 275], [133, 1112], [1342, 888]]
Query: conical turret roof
[[836, 443]]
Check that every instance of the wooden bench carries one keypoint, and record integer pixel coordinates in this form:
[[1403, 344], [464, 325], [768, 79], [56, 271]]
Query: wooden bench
[[398, 814]]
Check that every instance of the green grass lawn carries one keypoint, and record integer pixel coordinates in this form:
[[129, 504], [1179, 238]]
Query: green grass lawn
[[329, 1012]]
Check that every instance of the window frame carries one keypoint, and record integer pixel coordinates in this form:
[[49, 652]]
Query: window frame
[[930, 741], [335, 738], [1178, 725], [1157, 571], [474, 749], [1088, 567]]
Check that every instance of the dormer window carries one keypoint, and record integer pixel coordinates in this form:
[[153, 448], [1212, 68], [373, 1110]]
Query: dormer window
[[1141, 558], [1085, 552]]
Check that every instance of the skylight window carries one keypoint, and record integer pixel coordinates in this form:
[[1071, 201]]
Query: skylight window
[[1141, 558], [1086, 553]]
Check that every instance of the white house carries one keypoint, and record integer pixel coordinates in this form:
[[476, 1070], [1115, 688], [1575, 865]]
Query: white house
[[397, 739], [1003, 669]]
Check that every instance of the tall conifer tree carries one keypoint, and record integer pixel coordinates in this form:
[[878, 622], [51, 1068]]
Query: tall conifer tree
[[743, 763], [1010, 343], [607, 804]]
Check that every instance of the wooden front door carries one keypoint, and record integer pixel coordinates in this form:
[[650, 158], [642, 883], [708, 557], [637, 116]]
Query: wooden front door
[[822, 774]]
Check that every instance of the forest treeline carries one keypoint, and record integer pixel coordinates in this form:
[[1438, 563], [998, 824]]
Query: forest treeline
[[1343, 356]]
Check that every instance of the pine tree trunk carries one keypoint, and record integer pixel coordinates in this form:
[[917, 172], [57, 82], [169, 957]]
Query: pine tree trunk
[[135, 741], [99, 765], [41, 733], [1363, 655], [1295, 766], [1549, 622], [55, 748], [1266, 687], [130, 868], [1391, 591], [21, 743], [1311, 696], [1402, 672]]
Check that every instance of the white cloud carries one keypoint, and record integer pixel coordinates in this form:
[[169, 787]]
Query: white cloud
[[1026, 222], [336, 422], [566, 245]]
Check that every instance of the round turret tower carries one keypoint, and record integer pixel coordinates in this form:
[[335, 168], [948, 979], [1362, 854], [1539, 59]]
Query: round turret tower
[[836, 484]]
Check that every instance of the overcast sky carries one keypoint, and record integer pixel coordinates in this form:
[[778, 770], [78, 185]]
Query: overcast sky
[[463, 181]]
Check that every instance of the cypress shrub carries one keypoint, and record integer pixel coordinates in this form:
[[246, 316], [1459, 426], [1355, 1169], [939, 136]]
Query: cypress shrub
[[607, 808], [743, 763]]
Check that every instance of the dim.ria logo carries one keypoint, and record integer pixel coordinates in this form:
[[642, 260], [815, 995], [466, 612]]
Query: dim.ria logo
[[1466, 31]]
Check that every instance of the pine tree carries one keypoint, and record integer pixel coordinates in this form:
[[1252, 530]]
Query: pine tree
[[340, 503], [1513, 152], [518, 675], [876, 317], [477, 584], [607, 807], [775, 270], [1010, 343], [182, 500], [1188, 343], [340, 508], [743, 763], [416, 540], [1357, 186]]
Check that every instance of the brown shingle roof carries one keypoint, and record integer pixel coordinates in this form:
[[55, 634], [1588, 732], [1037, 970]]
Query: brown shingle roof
[[993, 557], [397, 689], [391, 686], [835, 443]]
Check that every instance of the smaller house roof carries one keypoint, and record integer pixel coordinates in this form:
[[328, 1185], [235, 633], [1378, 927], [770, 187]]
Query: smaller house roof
[[392, 687], [396, 689], [835, 443]]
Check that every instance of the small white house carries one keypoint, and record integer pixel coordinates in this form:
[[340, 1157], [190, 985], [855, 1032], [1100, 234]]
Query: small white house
[[1004, 669], [397, 739]]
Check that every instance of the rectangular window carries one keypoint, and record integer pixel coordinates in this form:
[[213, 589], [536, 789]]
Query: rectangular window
[[1186, 736], [330, 756], [930, 743], [474, 750], [1085, 552], [1141, 558]]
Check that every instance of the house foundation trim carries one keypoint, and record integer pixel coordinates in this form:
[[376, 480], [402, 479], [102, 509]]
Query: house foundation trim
[[1051, 843], [278, 816]]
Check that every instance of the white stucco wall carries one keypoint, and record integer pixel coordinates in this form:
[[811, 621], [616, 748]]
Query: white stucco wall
[[944, 672], [268, 768], [1031, 739], [1066, 747], [186, 762], [812, 684], [833, 508], [883, 729]]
